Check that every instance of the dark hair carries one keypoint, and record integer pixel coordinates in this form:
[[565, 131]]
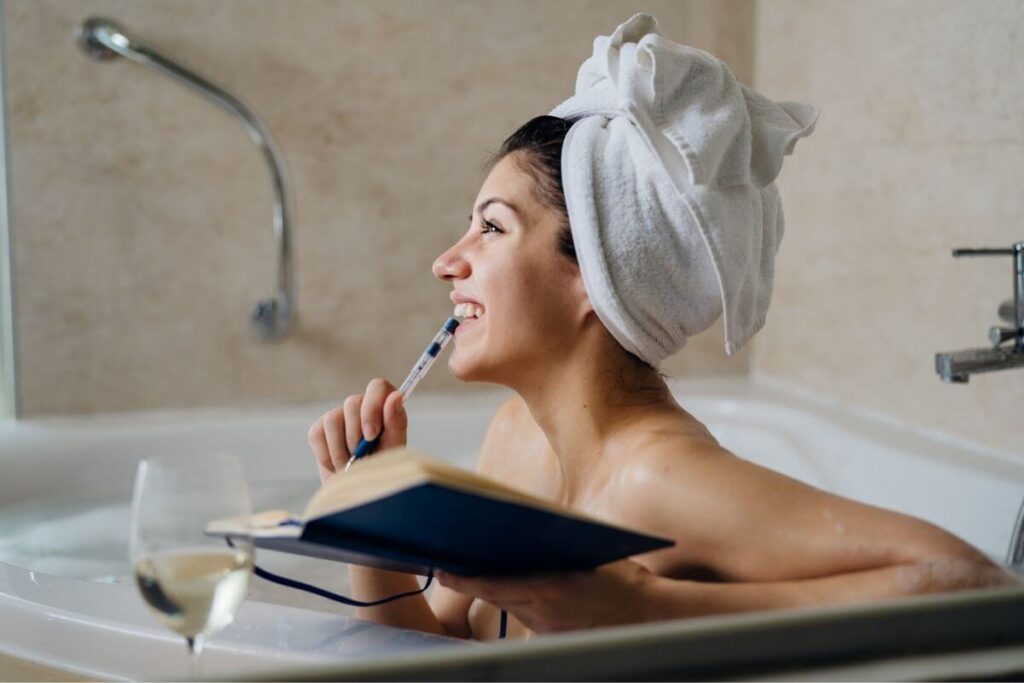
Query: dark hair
[[539, 143]]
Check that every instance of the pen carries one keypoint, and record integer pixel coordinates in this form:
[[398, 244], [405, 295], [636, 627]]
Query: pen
[[438, 343]]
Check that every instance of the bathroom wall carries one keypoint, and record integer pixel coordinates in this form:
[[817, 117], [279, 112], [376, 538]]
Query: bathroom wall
[[141, 214], [918, 151]]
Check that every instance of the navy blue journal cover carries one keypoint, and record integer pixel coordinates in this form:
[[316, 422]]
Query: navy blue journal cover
[[406, 511], [430, 525]]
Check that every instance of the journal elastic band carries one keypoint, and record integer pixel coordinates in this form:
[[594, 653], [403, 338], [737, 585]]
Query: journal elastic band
[[292, 583]]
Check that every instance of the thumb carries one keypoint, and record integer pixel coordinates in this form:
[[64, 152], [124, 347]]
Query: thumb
[[396, 422]]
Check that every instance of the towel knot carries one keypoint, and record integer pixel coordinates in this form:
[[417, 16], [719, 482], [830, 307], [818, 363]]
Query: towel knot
[[702, 124], [674, 212]]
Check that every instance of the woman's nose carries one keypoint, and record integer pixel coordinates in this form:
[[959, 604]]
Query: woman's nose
[[450, 265]]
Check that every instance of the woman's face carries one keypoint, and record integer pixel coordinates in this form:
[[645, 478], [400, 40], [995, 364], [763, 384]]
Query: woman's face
[[532, 296]]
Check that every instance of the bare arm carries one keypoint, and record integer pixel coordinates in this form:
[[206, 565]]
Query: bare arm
[[369, 583], [780, 542], [774, 541], [672, 599]]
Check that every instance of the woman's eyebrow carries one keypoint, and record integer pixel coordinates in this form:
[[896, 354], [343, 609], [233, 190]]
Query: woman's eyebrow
[[494, 200]]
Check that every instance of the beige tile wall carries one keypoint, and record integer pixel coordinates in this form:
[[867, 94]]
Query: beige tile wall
[[141, 214], [919, 149]]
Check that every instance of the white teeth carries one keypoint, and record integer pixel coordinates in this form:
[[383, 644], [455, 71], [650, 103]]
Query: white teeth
[[468, 310]]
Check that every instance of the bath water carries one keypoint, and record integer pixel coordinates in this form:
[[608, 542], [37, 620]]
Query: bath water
[[88, 538]]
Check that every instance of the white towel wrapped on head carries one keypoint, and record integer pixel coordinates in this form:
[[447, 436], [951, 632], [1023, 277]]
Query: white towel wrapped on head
[[668, 173]]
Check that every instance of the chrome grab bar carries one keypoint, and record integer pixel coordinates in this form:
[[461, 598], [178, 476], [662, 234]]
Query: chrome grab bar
[[104, 39], [997, 335], [958, 366]]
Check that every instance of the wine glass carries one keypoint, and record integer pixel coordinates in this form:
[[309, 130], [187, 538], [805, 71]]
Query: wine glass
[[192, 582]]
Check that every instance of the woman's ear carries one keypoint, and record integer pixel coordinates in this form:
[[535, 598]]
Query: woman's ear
[[584, 307]]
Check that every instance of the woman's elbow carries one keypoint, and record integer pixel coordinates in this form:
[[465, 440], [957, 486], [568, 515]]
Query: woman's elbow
[[943, 573]]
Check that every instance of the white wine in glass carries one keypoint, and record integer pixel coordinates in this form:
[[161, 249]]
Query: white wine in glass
[[193, 583]]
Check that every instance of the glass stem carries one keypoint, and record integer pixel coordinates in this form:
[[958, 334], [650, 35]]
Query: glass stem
[[195, 648]]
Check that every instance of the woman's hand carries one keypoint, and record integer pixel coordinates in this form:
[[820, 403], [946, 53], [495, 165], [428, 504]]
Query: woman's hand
[[378, 412], [614, 593]]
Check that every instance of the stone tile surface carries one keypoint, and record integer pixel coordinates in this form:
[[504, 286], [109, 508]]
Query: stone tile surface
[[141, 214], [918, 151]]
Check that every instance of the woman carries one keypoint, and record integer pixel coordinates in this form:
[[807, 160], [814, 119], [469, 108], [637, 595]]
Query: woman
[[594, 426]]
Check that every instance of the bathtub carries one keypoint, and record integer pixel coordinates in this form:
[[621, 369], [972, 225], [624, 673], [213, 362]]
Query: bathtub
[[67, 603]]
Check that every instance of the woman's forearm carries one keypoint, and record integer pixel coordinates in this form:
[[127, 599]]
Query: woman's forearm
[[673, 599], [412, 611]]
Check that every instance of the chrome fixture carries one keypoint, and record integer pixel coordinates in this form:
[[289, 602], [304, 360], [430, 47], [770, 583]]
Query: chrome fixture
[[1015, 553], [958, 366], [104, 39]]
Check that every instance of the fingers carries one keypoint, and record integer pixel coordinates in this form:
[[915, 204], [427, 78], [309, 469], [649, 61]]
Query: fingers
[[318, 442], [373, 407], [505, 591], [396, 422], [353, 432], [478, 586], [334, 433]]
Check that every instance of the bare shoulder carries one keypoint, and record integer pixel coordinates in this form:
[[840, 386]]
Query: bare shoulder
[[658, 485], [667, 439], [666, 449], [750, 523], [512, 441], [499, 431]]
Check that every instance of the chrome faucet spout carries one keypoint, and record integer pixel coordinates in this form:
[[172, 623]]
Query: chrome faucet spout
[[104, 39], [958, 366]]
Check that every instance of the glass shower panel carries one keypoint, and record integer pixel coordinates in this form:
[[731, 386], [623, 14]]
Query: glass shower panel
[[8, 401]]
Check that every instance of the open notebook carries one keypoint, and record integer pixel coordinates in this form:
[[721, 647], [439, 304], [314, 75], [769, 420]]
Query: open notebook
[[405, 511]]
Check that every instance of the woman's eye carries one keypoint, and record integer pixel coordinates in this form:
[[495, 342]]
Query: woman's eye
[[488, 227]]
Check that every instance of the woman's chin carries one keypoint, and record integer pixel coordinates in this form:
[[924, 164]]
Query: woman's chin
[[465, 367], [460, 366]]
